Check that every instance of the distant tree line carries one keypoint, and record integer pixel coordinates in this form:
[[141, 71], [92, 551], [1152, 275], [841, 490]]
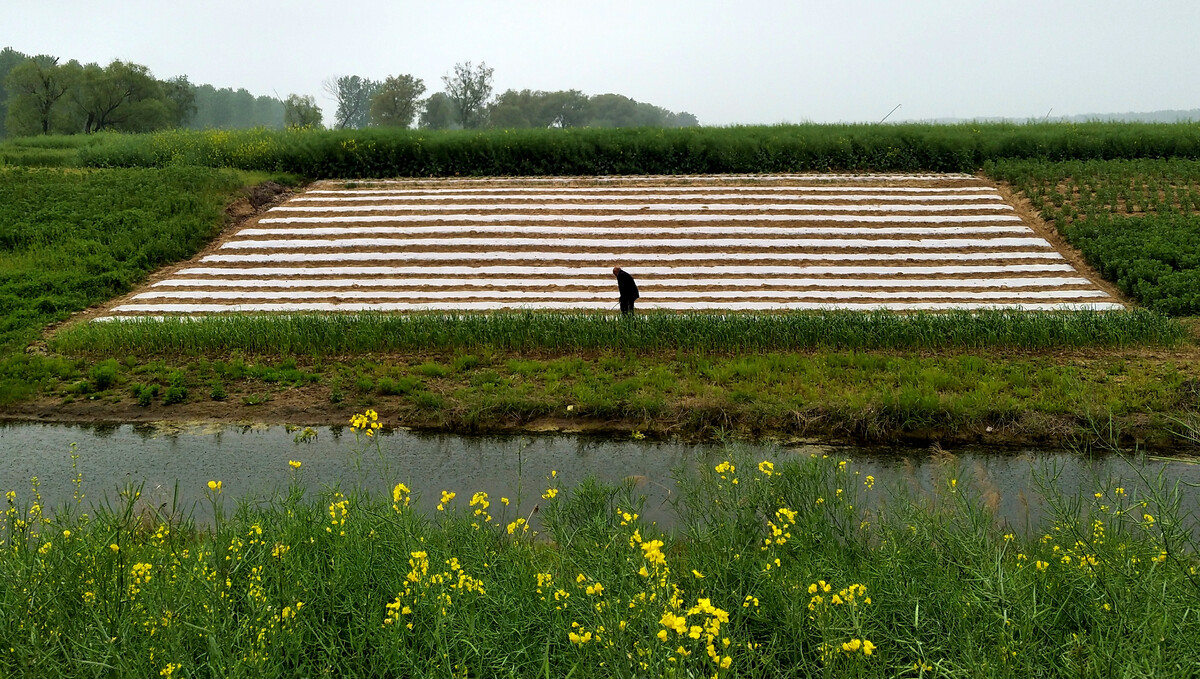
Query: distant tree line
[[41, 95], [466, 102]]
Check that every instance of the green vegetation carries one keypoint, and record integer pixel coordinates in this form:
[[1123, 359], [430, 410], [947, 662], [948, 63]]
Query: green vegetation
[[1136, 221], [869, 397], [71, 239], [791, 567], [345, 334], [587, 151]]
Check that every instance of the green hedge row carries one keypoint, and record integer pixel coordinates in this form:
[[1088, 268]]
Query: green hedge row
[[784, 148]]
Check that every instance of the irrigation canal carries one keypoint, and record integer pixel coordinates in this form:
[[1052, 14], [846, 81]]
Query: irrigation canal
[[252, 463]]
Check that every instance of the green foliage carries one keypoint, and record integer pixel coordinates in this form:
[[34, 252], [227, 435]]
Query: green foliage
[[790, 566], [301, 112], [353, 95], [470, 90], [394, 103], [338, 334], [585, 151], [104, 375], [1136, 221], [227, 109], [71, 239]]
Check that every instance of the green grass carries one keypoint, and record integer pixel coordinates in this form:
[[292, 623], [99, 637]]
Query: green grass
[[332, 334], [869, 397], [341, 583], [782, 148], [47, 151], [1136, 221], [70, 239]]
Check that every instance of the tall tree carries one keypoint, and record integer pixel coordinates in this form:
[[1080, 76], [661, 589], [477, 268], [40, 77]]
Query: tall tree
[[9, 59], [469, 88], [395, 102], [35, 87], [438, 113], [122, 96], [181, 94], [526, 108], [566, 109], [301, 111], [353, 95]]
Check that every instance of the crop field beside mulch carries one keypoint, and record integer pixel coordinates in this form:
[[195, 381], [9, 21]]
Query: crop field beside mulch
[[709, 242]]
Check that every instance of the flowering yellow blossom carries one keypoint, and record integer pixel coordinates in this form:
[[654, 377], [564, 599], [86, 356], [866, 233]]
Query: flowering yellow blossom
[[400, 496], [168, 670], [766, 467], [870, 482], [214, 486], [550, 494], [1042, 565], [294, 464], [447, 496]]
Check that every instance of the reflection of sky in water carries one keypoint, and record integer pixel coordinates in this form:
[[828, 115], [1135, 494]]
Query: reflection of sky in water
[[253, 462]]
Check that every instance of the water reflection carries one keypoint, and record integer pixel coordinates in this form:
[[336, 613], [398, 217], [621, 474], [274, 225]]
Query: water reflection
[[252, 463]]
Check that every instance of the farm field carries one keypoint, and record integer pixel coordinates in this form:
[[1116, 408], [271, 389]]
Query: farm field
[[731, 243], [921, 376]]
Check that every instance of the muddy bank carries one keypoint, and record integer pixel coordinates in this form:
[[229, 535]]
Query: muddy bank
[[865, 428]]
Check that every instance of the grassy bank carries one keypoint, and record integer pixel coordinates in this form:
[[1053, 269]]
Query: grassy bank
[[583, 151], [795, 568], [347, 335], [875, 397]]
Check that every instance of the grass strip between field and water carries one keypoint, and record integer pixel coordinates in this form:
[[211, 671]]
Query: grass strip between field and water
[[350, 334], [796, 566]]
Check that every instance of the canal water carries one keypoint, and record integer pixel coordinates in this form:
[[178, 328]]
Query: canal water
[[173, 464]]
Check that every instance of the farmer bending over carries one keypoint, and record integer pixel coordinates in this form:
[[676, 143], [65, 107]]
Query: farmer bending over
[[628, 289]]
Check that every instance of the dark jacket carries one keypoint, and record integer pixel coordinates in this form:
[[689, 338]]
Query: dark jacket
[[627, 287]]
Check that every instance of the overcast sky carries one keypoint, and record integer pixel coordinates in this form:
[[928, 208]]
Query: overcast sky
[[726, 62]]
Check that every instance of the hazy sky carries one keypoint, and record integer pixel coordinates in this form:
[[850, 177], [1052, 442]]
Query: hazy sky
[[726, 62]]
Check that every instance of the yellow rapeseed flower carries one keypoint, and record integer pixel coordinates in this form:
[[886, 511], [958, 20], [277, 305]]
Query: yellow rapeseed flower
[[214, 486], [294, 464]]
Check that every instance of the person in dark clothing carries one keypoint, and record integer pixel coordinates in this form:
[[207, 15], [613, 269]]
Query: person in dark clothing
[[628, 289]]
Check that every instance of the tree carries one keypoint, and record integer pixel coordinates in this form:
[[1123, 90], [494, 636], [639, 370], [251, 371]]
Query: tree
[[515, 110], [353, 95], [526, 108], [566, 109], [469, 88], [181, 94], [395, 102], [34, 88], [228, 109], [438, 113], [301, 111], [9, 59], [122, 96]]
